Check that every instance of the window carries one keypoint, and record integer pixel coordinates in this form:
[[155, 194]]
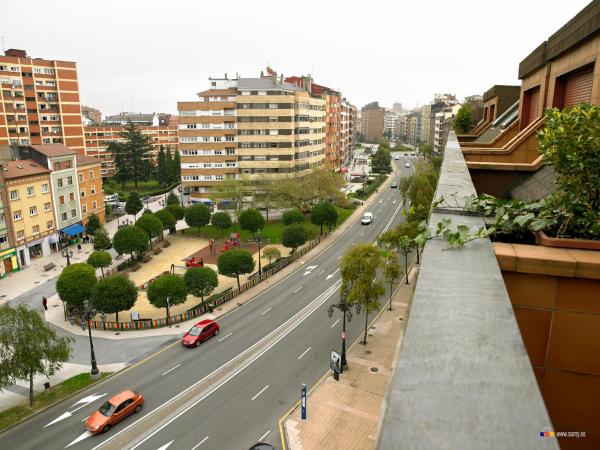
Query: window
[[82, 193], [47, 206], [20, 235], [17, 215], [71, 196], [73, 213], [49, 224], [3, 239], [30, 191], [33, 211], [81, 178], [61, 199], [229, 138], [69, 181], [59, 182], [83, 209], [91, 174], [56, 165], [35, 229], [64, 216], [93, 189], [94, 204], [14, 195]]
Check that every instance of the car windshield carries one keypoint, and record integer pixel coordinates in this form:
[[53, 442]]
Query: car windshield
[[107, 409], [195, 331]]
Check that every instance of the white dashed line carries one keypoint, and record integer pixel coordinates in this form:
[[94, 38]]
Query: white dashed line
[[334, 323], [225, 337], [265, 311], [298, 290], [305, 352], [199, 443], [172, 368], [262, 437], [261, 391]]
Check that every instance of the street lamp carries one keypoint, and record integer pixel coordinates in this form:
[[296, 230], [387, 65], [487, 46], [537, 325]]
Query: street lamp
[[258, 237], [168, 318], [66, 253], [87, 313], [344, 307]]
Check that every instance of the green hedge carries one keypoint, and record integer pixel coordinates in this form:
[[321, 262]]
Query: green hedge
[[365, 192]]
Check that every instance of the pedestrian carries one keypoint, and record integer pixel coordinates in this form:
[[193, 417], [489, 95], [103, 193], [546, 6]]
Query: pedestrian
[[210, 244], [78, 248], [45, 303], [201, 262]]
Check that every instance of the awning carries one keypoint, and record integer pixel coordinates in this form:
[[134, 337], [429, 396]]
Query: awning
[[201, 200], [53, 239], [73, 230]]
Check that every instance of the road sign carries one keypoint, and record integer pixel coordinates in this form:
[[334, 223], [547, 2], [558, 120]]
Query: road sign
[[335, 361]]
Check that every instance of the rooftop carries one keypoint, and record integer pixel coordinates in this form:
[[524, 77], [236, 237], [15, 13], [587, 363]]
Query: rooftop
[[52, 150], [22, 168], [124, 117], [266, 83], [84, 160]]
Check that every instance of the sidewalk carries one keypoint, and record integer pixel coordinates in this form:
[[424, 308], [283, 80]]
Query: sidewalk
[[346, 413]]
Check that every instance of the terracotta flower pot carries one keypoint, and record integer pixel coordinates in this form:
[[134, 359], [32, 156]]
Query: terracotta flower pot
[[586, 244]]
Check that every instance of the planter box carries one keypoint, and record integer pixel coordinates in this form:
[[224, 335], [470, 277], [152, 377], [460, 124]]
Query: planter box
[[586, 244]]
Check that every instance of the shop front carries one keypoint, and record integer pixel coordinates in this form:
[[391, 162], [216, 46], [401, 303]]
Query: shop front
[[8, 262], [71, 234]]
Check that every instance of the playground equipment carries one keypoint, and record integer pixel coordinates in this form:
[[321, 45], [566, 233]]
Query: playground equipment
[[193, 262], [232, 242]]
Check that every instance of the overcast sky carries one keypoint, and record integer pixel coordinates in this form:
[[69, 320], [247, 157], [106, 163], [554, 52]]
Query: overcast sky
[[147, 55]]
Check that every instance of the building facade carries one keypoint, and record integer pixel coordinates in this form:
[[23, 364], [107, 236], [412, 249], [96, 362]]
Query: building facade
[[250, 128], [389, 123], [91, 116], [91, 195], [39, 101], [371, 122], [30, 213]]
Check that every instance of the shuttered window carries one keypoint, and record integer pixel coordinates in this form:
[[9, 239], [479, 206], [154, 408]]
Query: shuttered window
[[531, 105], [578, 88]]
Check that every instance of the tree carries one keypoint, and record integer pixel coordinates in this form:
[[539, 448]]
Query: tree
[[197, 216], [426, 151], [172, 199], [463, 123], [271, 253], [113, 294], [133, 204], [167, 219], [294, 236], [221, 220], [169, 164], [359, 278], [404, 187], [251, 220], [292, 216], [93, 224], [405, 246], [168, 286], [201, 281], [391, 271], [230, 189], [151, 225], [29, 347], [100, 260], [176, 168], [382, 160], [234, 263], [130, 156], [75, 283], [101, 240], [177, 211], [130, 239], [161, 168], [324, 214], [121, 161]]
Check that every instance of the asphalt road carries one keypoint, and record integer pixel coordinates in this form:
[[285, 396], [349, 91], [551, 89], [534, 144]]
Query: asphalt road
[[230, 392]]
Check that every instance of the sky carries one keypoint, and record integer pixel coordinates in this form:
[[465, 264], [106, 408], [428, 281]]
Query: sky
[[144, 56]]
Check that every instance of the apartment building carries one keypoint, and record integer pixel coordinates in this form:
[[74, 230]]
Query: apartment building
[[389, 123], [400, 127], [442, 125], [29, 209], [39, 101], [371, 122], [91, 195], [249, 127], [91, 116], [413, 127], [8, 254], [159, 128]]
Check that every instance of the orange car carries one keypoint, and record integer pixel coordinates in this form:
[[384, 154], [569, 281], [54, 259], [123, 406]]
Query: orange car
[[114, 410]]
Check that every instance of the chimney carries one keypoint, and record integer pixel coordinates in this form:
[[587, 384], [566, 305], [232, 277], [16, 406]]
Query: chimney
[[16, 52]]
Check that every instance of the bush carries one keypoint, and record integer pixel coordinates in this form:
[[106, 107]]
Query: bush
[[156, 250], [292, 216]]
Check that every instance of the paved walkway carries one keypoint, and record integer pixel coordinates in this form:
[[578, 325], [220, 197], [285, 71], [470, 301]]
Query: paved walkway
[[345, 414]]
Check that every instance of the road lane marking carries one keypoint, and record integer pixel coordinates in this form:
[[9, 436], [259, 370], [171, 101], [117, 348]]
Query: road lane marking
[[362, 234], [225, 337], [260, 392], [334, 323], [338, 258], [305, 352], [85, 400], [332, 274], [260, 439], [166, 446], [172, 368], [266, 311], [321, 272], [81, 437], [311, 308], [309, 269], [381, 201], [199, 443], [298, 290], [394, 202]]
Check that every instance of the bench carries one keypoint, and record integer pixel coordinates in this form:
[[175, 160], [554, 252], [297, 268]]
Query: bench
[[49, 266]]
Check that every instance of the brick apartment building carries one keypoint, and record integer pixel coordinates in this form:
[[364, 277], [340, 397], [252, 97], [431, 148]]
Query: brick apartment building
[[91, 195], [249, 127], [39, 101], [371, 122]]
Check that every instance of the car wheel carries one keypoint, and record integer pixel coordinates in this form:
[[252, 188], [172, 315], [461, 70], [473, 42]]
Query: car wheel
[[138, 408], [106, 428], [197, 343], [216, 333]]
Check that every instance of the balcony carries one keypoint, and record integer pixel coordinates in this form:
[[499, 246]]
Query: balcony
[[463, 369]]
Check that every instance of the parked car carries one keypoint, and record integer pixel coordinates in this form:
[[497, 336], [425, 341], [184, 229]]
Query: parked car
[[394, 184], [113, 411], [397, 157], [200, 332], [111, 198], [262, 446], [146, 199], [367, 218], [406, 164]]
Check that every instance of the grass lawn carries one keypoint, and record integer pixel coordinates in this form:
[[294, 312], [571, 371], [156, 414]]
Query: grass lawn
[[44, 399], [272, 230], [144, 187]]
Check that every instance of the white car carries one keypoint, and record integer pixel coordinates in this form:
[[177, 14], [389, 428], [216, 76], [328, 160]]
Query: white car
[[406, 165], [111, 198], [397, 157], [367, 218]]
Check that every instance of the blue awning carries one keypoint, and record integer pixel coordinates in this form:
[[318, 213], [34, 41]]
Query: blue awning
[[73, 230]]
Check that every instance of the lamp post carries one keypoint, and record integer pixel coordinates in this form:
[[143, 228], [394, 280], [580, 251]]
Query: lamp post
[[258, 237], [87, 314], [344, 307], [168, 318], [66, 253]]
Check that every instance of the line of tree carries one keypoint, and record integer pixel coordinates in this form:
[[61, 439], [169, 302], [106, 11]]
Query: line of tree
[[131, 157], [168, 167]]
